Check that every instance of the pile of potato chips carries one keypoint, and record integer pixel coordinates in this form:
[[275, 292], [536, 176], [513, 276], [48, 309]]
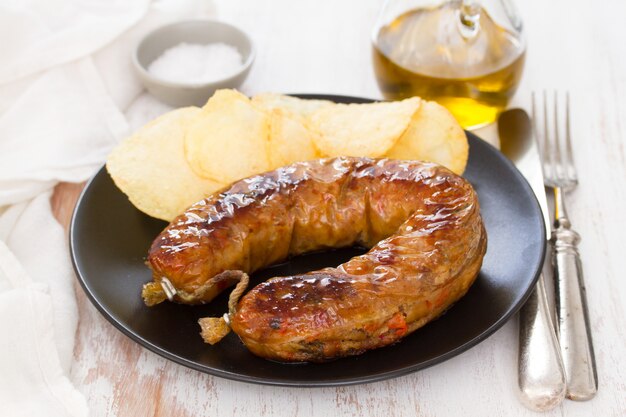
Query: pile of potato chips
[[189, 153]]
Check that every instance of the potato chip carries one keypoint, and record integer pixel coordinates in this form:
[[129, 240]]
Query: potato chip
[[302, 107], [228, 141], [362, 129], [433, 135], [151, 169], [290, 139], [189, 153]]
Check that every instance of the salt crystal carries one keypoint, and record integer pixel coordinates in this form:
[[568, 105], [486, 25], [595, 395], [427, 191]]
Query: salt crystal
[[193, 63]]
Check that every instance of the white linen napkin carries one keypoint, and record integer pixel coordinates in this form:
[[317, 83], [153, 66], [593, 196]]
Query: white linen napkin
[[68, 94]]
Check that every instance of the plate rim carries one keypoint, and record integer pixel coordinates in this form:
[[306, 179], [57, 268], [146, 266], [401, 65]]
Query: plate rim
[[486, 333]]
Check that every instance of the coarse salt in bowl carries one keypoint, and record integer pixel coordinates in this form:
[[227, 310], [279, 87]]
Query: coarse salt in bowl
[[194, 63], [184, 63]]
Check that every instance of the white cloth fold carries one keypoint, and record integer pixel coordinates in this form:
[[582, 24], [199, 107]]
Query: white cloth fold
[[68, 94], [37, 314], [45, 33]]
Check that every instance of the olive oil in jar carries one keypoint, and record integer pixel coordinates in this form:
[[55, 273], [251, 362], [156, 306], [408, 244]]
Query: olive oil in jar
[[425, 52]]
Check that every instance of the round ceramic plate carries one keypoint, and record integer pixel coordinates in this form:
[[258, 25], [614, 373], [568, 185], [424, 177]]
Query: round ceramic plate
[[109, 240]]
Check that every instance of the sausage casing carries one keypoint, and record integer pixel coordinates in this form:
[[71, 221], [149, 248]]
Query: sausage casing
[[421, 220]]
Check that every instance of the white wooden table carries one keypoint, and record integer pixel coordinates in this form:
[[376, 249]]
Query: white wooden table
[[324, 47]]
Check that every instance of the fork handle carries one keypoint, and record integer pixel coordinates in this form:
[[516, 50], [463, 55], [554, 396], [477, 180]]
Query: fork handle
[[573, 316]]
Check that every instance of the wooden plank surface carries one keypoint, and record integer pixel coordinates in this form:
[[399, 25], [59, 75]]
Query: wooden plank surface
[[323, 47]]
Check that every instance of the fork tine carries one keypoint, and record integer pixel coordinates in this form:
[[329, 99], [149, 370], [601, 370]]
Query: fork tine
[[559, 163], [570, 167], [548, 144]]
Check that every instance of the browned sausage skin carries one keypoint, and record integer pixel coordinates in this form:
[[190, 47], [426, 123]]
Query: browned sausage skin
[[423, 220]]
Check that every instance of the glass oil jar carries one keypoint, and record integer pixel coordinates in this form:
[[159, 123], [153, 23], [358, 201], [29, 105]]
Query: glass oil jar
[[468, 55]]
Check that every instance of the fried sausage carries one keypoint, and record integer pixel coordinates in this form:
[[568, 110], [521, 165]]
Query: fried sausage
[[421, 220]]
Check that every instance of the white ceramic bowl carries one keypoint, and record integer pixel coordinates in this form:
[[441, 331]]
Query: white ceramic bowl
[[191, 31]]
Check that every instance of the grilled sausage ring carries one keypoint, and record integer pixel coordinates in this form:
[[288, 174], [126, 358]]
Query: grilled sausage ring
[[421, 221]]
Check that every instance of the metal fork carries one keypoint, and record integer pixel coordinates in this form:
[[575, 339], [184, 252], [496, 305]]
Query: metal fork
[[571, 304]]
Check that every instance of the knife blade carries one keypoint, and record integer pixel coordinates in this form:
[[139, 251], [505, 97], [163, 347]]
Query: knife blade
[[541, 377]]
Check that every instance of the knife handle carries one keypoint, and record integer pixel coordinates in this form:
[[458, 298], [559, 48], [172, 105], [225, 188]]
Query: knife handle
[[572, 314], [541, 375]]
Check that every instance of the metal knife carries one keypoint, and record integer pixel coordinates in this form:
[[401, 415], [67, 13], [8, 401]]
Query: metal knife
[[541, 373]]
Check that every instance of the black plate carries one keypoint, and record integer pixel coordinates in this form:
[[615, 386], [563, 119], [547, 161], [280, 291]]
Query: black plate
[[109, 240]]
